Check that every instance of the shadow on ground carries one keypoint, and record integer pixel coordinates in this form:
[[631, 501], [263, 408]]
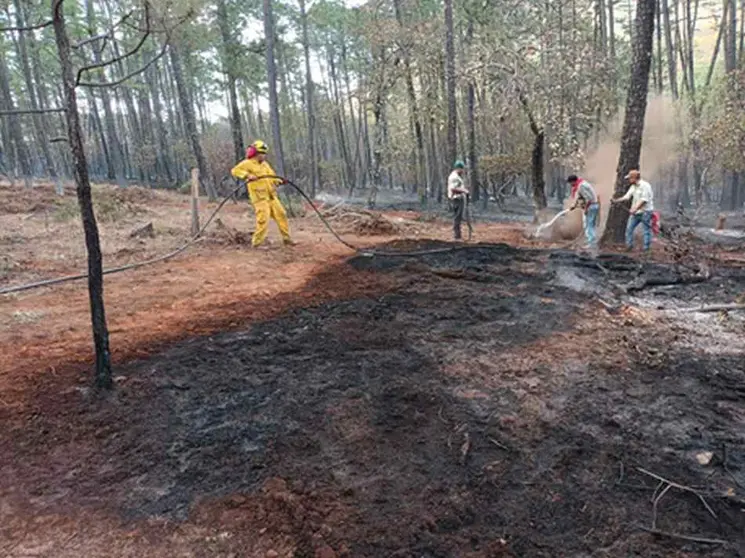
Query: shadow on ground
[[406, 425]]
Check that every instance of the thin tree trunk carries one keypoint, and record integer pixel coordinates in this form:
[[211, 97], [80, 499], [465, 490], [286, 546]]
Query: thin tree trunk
[[103, 375], [229, 60], [471, 101], [671, 56], [271, 70], [39, 130], [115, 151], [15, 130], [309, 103], [636, 106], [450, 80], [187, 112]]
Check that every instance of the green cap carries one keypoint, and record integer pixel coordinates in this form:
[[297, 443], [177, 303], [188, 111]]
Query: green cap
[[459, 164]]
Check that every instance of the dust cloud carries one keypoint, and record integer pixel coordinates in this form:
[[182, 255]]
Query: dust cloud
[[658, 151]]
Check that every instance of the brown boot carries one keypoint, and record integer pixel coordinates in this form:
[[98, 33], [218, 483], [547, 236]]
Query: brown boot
[[289, 242]]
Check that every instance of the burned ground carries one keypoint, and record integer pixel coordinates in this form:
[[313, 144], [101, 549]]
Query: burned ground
[[487, 405]]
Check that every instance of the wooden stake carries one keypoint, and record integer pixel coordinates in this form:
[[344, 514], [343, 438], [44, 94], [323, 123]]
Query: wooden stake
[[194, 202]]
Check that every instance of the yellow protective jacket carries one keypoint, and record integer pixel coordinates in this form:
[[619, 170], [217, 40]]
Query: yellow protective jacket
[[260, 190]]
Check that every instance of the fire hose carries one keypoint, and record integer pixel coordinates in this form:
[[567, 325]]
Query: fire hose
[[198, 237]]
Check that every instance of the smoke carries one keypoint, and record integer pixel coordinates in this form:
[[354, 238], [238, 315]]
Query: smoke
[[658, 151]]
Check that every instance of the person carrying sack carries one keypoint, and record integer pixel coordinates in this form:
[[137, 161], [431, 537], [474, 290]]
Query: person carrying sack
[[585, 196]]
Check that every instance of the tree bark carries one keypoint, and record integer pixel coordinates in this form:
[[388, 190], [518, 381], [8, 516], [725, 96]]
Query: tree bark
[[103, 377], [636, 107], [271, 70]]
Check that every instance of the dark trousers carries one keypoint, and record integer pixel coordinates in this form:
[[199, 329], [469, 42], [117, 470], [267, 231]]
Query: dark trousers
[[459, 208]]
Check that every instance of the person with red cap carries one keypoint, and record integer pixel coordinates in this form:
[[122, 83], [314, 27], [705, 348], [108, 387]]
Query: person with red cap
[[587, 198], [262, 191]]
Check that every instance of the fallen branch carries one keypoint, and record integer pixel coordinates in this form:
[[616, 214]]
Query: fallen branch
[[643, 283], [663, 480], [690, 538], [714, 308]]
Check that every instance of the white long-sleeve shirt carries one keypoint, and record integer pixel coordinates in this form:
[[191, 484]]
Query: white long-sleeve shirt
[[455, 181], [639, 192]]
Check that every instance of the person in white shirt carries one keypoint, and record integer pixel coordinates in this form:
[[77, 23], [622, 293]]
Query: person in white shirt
[[642, 207], [457, 193]]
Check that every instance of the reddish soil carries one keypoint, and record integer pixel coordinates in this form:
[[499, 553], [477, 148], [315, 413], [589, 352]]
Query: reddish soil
[[294, 403]]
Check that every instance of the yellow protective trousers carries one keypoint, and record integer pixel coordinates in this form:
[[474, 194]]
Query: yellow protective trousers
[[269, 209]]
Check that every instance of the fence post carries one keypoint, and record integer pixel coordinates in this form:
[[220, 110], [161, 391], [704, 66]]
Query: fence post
[[194, 201]]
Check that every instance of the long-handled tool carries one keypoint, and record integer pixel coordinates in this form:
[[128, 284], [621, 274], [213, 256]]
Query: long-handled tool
[[468, 216]]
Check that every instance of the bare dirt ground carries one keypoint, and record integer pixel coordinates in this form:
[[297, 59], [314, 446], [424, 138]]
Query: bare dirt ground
[[495, 401]]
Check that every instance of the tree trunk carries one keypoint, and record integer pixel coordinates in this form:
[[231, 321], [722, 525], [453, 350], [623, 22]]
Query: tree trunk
[[103, 376], [636, 107], [15, 130], [422, 174], [309, 103], [271, 71], [115, 150], [450, 80], [39, 130], [190, 124], [671, 57], [228, 61], [471, 101], [537, 177]]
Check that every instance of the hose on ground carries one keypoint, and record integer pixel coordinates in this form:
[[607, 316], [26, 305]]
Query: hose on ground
[[198, 237]]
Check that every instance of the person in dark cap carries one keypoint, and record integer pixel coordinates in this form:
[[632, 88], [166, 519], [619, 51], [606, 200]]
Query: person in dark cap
[[457, 193]]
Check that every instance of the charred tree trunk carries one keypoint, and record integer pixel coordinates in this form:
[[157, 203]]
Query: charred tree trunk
[[636, 107], [103, 376]]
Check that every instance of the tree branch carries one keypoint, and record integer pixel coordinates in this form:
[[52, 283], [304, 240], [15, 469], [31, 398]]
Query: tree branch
[[27, 27], [30, 111], [106, 35], [524, 102], [124, 56], [130, 75]]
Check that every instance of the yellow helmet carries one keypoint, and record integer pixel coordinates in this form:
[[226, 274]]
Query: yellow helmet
[[260, 146]]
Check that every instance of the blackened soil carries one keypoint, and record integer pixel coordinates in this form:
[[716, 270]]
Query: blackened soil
[[426, 416]]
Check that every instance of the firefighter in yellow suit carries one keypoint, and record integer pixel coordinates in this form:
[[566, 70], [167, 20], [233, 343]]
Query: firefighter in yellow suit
[[263, 193]]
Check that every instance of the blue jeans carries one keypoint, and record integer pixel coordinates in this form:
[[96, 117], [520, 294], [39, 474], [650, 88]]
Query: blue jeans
[[645, 218], [590, 223]]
